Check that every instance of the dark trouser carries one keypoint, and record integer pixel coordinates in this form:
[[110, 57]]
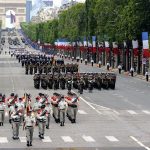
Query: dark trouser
[[132, 73], [147, 77], [119, 71]]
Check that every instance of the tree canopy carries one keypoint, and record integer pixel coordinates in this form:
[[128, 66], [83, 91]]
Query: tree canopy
[[114, 20]]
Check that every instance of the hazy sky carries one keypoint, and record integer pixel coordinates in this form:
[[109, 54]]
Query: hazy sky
[[57, 2]]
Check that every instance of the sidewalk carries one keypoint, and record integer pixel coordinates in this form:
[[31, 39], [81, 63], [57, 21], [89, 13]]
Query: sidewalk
[[115, 70]]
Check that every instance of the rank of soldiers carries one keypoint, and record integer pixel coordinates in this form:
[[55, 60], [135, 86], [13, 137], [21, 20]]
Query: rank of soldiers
[[78, 81], [23, 111], [43, 64]]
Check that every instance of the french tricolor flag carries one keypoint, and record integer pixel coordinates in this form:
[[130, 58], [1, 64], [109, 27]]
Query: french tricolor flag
[[94, 43], [135, 47], [146, 52]]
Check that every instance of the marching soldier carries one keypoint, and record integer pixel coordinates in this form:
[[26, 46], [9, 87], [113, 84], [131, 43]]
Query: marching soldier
[[31, 69], [48, 114], [21, 107], [15, 122], [72, 110], [2, 109], [29, 124], [11, 102], [26, 68], [36, 107], [44, 81], [41, 117], [62, 106], [54, 101]]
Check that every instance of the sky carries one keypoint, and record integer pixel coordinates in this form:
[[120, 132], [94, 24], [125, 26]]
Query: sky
[[57, 2]]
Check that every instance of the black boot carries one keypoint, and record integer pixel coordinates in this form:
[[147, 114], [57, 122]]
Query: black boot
[[28, 143], [61, 124], [0, 123], [42, 136]]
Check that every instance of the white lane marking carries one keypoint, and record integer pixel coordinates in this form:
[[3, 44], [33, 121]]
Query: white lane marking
[[101, 107], [132, 112], [88, 138], [23, 139], [82, 112], [3, 140], [46, 139], [116, 112], [146, 112], [111, 139], [142, 92], [90, 105], [115, 94], [67, 139], [140, 143]]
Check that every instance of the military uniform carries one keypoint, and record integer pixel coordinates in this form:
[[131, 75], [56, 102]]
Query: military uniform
[[15, 122], [62, 106], [54, 101], [29, 124], [48, 114], [41, 117], [2, 109]]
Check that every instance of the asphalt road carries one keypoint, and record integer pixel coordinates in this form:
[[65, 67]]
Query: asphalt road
[[107, 120]]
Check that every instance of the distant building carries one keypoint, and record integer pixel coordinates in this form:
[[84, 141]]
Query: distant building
[[28, 10], [45, 14], [40, 4], [67, 5]]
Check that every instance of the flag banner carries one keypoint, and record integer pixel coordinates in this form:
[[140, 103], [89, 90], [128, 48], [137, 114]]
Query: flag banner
[[145, 40], [101, 47], [106, 44], [115, 48], [125, 44], [94, 44], [12, 18], [135, 47], [107, 49], [84, 42], [146, 52]]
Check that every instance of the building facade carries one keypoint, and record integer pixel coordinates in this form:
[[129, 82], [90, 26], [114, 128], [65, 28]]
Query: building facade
[[18, 6], [28, 10]]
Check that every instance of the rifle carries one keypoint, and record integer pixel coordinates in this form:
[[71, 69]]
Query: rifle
[[75, 100], [43, 113]]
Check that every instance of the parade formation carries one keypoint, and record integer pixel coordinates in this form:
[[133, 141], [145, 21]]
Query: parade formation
[[23, 111], [55, 74]]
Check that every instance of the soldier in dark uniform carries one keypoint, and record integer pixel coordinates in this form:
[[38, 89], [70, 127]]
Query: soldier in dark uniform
[[44, 81], [75, 83], [81, 85], [31, 68], [62, 81], [26, 68], [63, 68], [50, 80], [49, 67], [56, 81], [36, 79], [35, 67]]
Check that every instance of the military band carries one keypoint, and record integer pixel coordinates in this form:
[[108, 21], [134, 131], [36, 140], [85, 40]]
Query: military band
[[23, 111]]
